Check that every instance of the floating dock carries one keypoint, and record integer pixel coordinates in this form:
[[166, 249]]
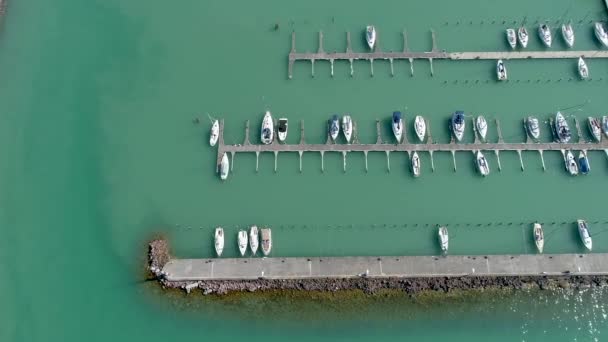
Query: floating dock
[[380, 267], [435, 53]]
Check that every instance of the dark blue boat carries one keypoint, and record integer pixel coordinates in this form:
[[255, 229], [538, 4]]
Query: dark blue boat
[[458, 124], [583, 163]]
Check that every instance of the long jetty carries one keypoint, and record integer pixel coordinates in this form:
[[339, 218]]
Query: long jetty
[[434, 54]]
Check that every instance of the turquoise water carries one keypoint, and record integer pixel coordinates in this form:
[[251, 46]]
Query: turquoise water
[[100, 153]]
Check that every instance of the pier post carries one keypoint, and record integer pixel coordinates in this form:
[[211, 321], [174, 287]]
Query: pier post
[[411, 67], [300, 153], [312, 63], [231, 161], [388, 161], [246, 142], [431, 64], [321, 51], [349, 50], [392, 70], [542, 159], [404, 138], [293, 51], [378, 132], [579, 131], [405, 45], [365, 154], [434, 39], [428, 129], [475, 132], [331, 63], [371, 65], [498, 159], [257, 161], [276, 155], [344, 161], [432, 162], [302, 138], [322, 161], [521, 161], [454, 159], [499, 131]]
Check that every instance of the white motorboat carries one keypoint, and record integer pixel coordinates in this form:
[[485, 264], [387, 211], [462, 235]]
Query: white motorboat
[[397, 124], [522, 35], [583, 70], [482, 127], [605, 125], [482, 164], [544, 33], [583, 163], [219, 241], [267, 135], [266, 241], [571, 164], [334, 127], [215, 133], [501, 70], [242, 239], [254, 239], [416, 164], [601, 33], [224, 167], [568, 34], [595, 128], [583, 232], [561, 128], [533, 127], [370, 36], [511, 38], [282, 129], [539, 237], [443, 238], [420, 127], [458, 124], [347, 127]]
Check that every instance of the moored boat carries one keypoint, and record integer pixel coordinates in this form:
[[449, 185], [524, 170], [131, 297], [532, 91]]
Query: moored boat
[[282, 129], [219, 241], [242, 241], [605, 125], [501, 70], [443, 238], [583, 162], [511, 38], [370, 36], [585, 235], [266, 241], [482, 164], [539, 237], [595, 128], [215, 133], [254, 239], [533, 127], [482, 127], [224, 167], [267, 134], [561, 128], [522, 35], [458, 124], [568, 34], [583, 69], [347, 127], [416, 164], [544, 32], [420, 127], [397, 125], [571, 164], [601, 33], [334, 127]]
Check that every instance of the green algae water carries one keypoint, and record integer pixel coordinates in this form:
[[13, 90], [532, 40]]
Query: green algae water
[[100, 152]]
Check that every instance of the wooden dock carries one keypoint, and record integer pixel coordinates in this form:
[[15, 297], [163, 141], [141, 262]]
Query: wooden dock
[[435, 53]]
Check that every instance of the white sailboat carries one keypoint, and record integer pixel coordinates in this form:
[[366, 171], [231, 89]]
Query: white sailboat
[[215, 133], [571, 164], [482, 127], [254, 239], [601, 33], [242, 241], [605, 124], [595, 128], [282, 129], [397, 125], [443, 238], [266, 241], [224, 167], [533, 127], [458, 124], [511, 38], [219, 241], [347, 127], [583, 70], [522, 34], [583, 232], [267, 134], [561, 128], [482, 164], [420, 127], [568, 34], [501, 70], [334, 127], [370, 36], [416, 164], [539, 237], [544, 32]]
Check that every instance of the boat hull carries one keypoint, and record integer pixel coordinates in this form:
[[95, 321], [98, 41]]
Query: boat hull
[[501, 70], [482, 164], [571, 164], [482, 127], [242, 242], [583, 162], [568, 35], [561, 128], [267, 131], [416, 164], [420, 128], [458, 125], [334, 128], [595, 128], [522, 35], [511, 38], [583, 70], [584, 234], [215, 133], [443, 239], [219, 241], [397, 125], [347, 128], [282, 130], [544, 33], [266, 241], [539, 238], [224, 167], [370, 37], [533, 127], [601, 34], [254, 239]]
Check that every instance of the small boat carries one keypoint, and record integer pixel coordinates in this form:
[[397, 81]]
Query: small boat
[[561, 128], [282, 128], [539, 237], [511, 38], [583, 232], [583, 163], [215, 133], [482, 127], [568, 34], [254, 239], [482, 164], [242, 239], [347, 127], [224, 167], [532, 127], [544, 33], [334, 127], [458, 124], [605, 125], [601, 33], [266, 241], [267, 129], [595, 128], [583, 70], [522, 34], [420, 127], [571, 164], [416, 164], [370, 36], [397, 125], [501, 70], [443, 238], [219, 241]]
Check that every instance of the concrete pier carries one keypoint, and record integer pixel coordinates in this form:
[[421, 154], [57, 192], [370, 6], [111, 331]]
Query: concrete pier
[[380, 267]]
